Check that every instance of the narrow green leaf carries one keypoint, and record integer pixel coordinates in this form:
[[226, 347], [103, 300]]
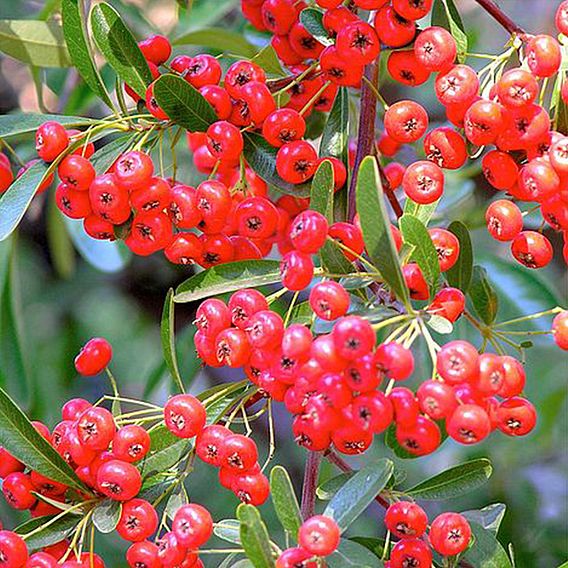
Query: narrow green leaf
[[424, 253], [183, 103], [486, 551], [440, 324], [176, 500], [483, 295], [254, 537], [106, 515], [376, 228], [16, 199], [351, 554], [423, 213], [228, 278], [23, 441], [446, 15], [359, 492], [268, 60], [34, 42], [119, 47], [489, 517], [312, 20], [219, 39], [22, 123], [229, 530], [335, 136], [80, 49], [284, 500], [454, 482], [47, 534], [167, 332], [261, 157], [459, 276], [60, 245], [329, 488]]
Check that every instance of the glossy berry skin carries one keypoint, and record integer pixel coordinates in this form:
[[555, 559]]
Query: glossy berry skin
[[406, 121], [156, 48], [532, 249], [282, 126], [238, 453], [131, 443], [420, 439], [449, 534], [350, 236], [543, 55], [133, 169], [336, 69], [184, 249], [294, 557], [353, 337], [138, 520], [516, 88], [212, 317], [446, 148], [296, 161], [143, 555], [358, 42], [72, 203], [41, 560], [516, 417], [308, 232], [458, 362], [404, 67], [448, 303], [406, 520], [94, 356], [119, 480], [210, 442], [192, 525], [411, 552], [329, 300], [51, 140], [415, 281], [500, 169], [76, 172], [256, 217], [482, 122], [95, 428], [560, 330], [170, 551], [225, 141], [423, 182], [435, 48], [436, 399], [8, 464], [184, 416], [469, 424], [17, 488], [456, 85], [251, 488], [504, 220], [392, 29], [296, 270], [13, 550], [447, 246], [319, 535], [394, 361], [245, 303]]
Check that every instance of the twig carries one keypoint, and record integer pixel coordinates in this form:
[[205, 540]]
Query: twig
[[345, 467], [389, 192], [311, 473], [495, 11]]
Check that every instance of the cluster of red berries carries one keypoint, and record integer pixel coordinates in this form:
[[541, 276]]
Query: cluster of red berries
[[449, 535], [318, 537]]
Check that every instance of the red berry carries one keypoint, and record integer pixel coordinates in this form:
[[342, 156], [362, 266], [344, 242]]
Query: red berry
[[192, 525], [500, 169], [138, 520], [13, 550], [76, 172], [295, 557], [296, 270], [51, 140], [411, 552], [543, 55], [329, 300], [184, 416], [458, 362], [72, 203], [358, 42], [436, 399], [210, 442], [339, 71], [394, 361], [404, 67], [308, 231], [393, 30], [109, 200], [415, 281], [17, 488], [296, 161], [421, 439], [435, 48], [560, 330], [133, 169], [482, 122], [94, 356], [423, 182], [504, 220], [353, 337], [150, 232], [456, 85], [95, 428], [469, 424], [156, 48], [516, 416], [449, 534], [448, 303], [131, 443], [319, 535], [282, 126], [406, 520], [406, 121], [119, 480], [250, 487], [143, 555], [532, 249], [445, 147], [447, 246]]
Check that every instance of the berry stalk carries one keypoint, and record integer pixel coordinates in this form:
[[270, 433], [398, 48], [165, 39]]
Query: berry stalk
[[495, 11]]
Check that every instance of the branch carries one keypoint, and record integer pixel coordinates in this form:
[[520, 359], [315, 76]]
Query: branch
[[389, 192], [366, 135], [345, 467], [495, 11], [311, 474]]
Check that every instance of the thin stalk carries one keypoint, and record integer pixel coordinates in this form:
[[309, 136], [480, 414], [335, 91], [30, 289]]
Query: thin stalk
[[495, 11], [311, 474]]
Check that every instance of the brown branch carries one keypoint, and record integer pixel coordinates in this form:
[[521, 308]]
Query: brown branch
[[495, 11], [366, 135], [345, 467], [311, 474]]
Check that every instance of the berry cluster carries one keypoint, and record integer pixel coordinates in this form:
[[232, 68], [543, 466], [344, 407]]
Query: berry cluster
[[449, 535], [318, 537]]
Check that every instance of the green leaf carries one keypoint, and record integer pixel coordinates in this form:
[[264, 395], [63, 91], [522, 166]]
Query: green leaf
[[105, 156], [228, 278], [23, 441], [254, 537], [47, 534], [60, 245], [228, 530], [489, 517], [33, 42], [446, 15], [423, 213], [261, 157], [106, 515], [219, 39], [312, 20], [80, 49], [359, 492], [335, 136], [17, 198], [167, 332], [459, 276], [351, 554], [176, 500], [440, 324], [424, 254], [483, 295], [329, 488], [486, 552], [183, 103], [22, 123], [119, 47], [284, 500], [106, 256], [376, 228], [454, 482], [268, 60]]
